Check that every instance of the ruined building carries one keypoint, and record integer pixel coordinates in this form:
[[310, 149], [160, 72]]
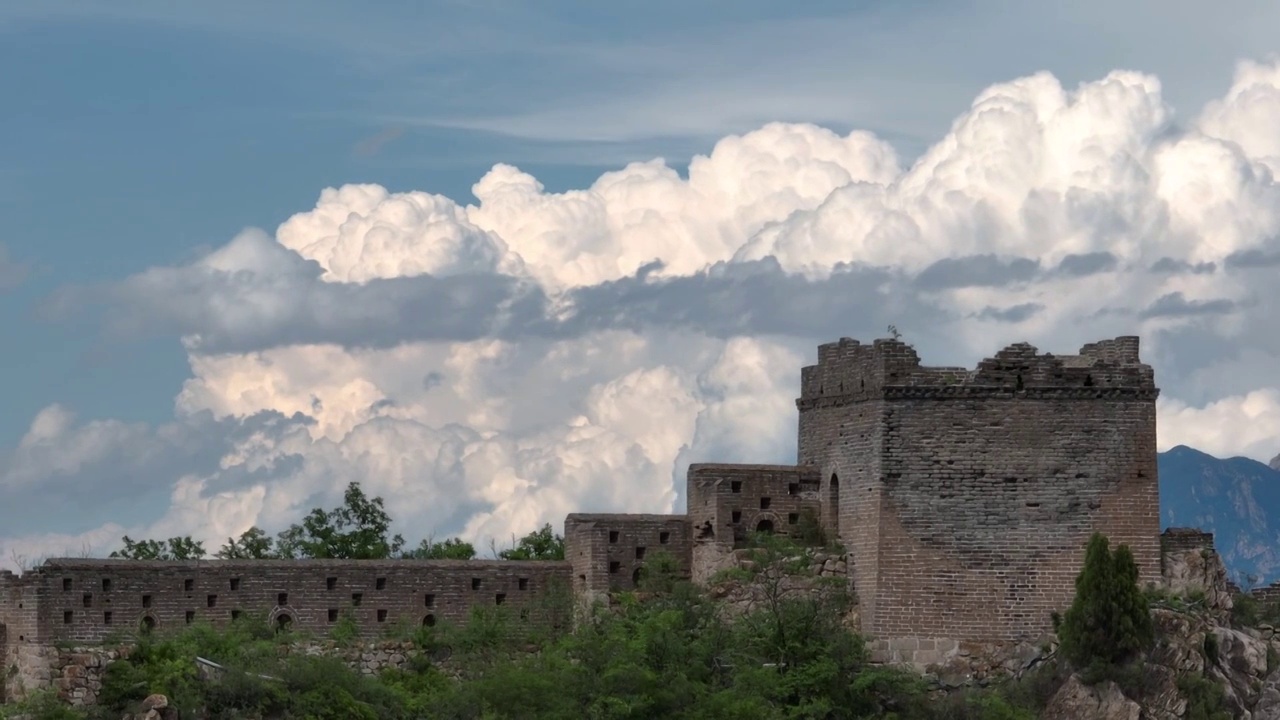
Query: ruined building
[[964, 498]]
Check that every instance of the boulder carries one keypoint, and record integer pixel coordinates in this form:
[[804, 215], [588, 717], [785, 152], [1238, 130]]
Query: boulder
[[1077, 701]]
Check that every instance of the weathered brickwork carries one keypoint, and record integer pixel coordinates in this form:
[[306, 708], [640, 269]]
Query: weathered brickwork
[[964, 499], [608, 551], [967, 496]]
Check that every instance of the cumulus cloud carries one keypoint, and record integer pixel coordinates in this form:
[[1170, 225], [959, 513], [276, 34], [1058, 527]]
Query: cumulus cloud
[[493, 366]]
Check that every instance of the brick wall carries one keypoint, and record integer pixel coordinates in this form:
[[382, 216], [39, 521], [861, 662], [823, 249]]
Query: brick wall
[[607, 551], [1177, 540], [967, 496], [87, 601], [732, 501]]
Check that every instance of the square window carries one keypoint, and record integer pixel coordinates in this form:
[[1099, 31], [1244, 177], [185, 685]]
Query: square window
[[381, 584], [146, 601], [212, 600], [793, 518], [282, 599], [664, 538], [765, 503], [235, 615], [106, 584], [330, 583], [106, 618], [429, 600], [191, 616], [87, 600], [188, 585], [356, 598], [639, 553], [382, 616], [499, 598], [614, 567], [736, 516], [475, 583], [68, 616], [66, 584], [235, 583], [524, 583], [333, 614], [613, 536], [735, 486], [793, 489]]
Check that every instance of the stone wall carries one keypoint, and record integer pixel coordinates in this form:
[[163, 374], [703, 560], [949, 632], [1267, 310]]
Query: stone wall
[[974, 492], [608, 551], [89, 601], [727, 502]]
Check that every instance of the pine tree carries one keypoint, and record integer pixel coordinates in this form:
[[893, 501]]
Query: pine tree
[[1109, 622]]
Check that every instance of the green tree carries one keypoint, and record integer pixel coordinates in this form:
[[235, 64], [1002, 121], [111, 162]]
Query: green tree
[[253, 544], [451, 549], [542, 544], [1109, 622], [176, 548], [358, 530]]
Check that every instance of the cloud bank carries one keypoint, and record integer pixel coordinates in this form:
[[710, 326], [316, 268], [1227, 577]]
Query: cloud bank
[[488, 367]]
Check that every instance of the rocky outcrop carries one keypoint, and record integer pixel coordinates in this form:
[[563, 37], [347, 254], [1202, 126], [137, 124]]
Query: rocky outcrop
[[1104, 701]]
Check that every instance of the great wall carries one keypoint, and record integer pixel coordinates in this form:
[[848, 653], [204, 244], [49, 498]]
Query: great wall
[[963, 497]]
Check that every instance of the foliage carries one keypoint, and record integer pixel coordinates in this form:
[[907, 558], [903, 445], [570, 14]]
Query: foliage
[[666, 650], [253, 544], [451, 549], [1109, 622], [1206, 699], [357, 530], [542, 544], [177, 548], [42, 706]]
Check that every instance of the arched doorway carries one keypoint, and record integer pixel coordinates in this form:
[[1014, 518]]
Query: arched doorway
[[429, 621], [765, 526], [147, 624], [284, 621]]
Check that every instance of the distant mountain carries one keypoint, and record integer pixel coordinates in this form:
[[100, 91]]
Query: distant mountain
[[1236, 499]]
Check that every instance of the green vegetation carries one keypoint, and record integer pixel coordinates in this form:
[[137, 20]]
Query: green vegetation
[[359, 529], [667, 650], [1108, 625]]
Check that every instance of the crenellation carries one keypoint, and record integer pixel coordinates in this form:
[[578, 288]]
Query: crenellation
[[964, 499]]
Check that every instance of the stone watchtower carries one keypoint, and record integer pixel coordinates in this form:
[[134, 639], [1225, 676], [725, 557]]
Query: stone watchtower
[[966, 497]]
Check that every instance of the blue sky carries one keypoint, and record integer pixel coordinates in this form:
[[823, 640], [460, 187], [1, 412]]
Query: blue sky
[[140, 135]]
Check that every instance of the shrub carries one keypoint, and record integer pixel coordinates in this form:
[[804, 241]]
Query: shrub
[[1109, 622]]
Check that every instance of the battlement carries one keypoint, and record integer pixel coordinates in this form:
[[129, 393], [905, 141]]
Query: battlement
[[849, 371]]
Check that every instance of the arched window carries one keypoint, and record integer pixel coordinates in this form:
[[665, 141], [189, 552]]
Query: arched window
[[765, 526], [283, 622]]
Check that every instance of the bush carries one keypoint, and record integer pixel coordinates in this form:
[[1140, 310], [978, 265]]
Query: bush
[[1109, 622]]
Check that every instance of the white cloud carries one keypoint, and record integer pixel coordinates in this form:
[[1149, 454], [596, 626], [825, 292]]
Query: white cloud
[[491, 367]]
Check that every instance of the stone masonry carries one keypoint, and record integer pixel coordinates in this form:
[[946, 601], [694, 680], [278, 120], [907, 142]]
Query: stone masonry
[[963, 497]]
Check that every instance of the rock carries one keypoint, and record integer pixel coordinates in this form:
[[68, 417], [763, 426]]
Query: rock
[[155, 702], [1077, 701], [1241, 651]]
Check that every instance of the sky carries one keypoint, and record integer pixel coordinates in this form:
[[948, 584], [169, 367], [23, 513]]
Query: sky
[[502, 261]]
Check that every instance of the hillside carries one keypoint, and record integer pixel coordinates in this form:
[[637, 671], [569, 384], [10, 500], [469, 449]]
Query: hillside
[[1237, 499]]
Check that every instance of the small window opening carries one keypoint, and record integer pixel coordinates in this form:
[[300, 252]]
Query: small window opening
[[330, 583], [613, 536], [66, 584], [793, 489], [429, 600], [380, 584], [87, 600], [191, 616], [765, 503], [735, 486], [664, 538], [382, 616], [282, 599], [793, 518], [523, 583], [211, 601], [475, 583], [333, 614], [106, 584], [68, 616], [639, 553], [614, 567], [106, 617], [235, 583], [236, 615], [499, 598], [736, 516], [146, 601], [356, 598], [188, 585]]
